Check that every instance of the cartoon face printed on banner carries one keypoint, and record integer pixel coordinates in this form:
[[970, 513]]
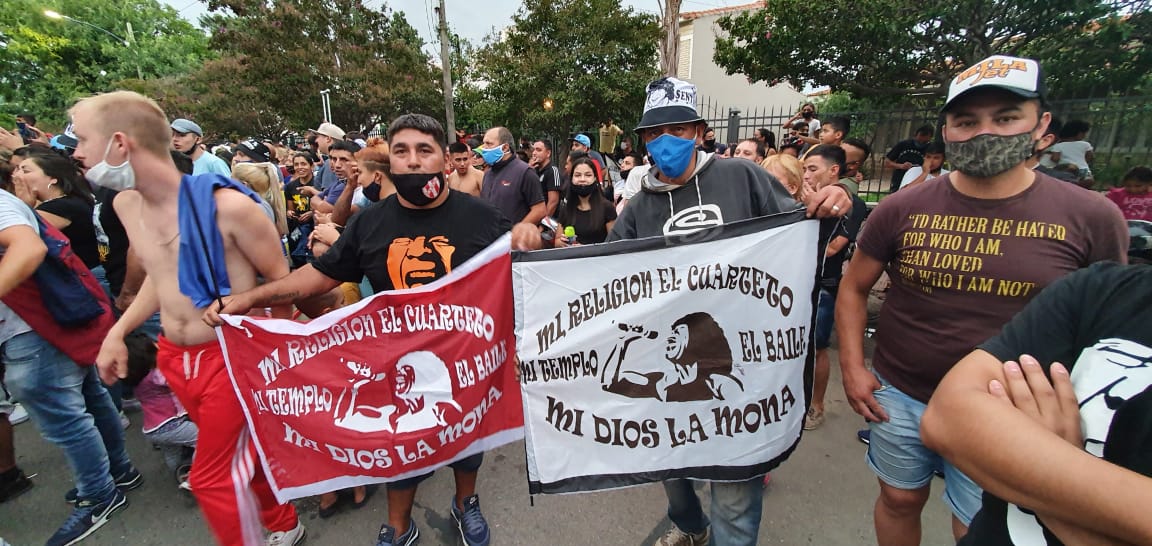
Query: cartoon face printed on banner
[[422, 391], [419, 261], [697, 363], [677, 342], [1106, 377], [367, 408], [423, 388]]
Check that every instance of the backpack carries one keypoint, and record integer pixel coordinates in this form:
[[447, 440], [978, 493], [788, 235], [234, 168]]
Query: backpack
[[62, 300]]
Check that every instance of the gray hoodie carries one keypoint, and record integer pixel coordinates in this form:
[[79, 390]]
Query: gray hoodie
[[720, 191]]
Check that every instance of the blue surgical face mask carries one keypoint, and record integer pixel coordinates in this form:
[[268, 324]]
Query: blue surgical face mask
[[672, 154], [492, 156]]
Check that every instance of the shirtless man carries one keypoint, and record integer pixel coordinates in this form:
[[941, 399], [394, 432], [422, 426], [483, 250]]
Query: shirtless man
[[123, 137], [464, 176]]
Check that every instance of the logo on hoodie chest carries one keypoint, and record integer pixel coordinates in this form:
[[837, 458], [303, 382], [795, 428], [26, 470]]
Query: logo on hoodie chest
[[694, 219]]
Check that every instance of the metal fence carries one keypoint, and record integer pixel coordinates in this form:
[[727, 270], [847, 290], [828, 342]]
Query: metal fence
[[1121, 132]]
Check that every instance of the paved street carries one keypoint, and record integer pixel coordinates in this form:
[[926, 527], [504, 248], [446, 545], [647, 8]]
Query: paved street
[[822, 496]]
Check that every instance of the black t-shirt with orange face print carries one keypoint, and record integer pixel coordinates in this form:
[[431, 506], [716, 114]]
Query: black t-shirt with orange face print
[[398, 247]]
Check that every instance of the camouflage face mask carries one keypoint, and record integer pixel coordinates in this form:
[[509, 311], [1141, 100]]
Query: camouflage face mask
[[985, 156]]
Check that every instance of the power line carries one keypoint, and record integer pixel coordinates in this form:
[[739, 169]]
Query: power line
[[185, 8], [432, 33]]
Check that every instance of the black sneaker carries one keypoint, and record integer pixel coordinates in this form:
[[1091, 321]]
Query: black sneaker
[[86, 518], [15, 486], [125, 482]]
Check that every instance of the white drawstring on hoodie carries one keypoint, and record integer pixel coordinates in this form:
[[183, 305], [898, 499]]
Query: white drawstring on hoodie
[[699, 198]]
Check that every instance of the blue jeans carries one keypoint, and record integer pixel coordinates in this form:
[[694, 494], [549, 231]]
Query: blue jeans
[[736, 508], [825, 319], [72, 410]]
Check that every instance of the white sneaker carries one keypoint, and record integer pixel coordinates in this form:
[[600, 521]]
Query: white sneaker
[[18, 415], [676, 537], [287, 538]]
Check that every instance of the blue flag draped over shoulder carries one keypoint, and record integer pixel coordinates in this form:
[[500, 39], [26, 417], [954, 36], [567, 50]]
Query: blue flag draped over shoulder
[[201, 269], [661, 358]]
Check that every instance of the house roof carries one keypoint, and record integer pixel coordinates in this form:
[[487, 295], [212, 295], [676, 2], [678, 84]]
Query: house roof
[[691, 15]]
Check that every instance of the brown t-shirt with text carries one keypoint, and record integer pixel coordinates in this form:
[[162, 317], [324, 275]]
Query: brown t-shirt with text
[[962, 267]]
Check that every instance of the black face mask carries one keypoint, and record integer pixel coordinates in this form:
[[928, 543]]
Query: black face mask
[[372, 192], [710, 142], [584, 190], [419, 188], [624, 174], [807, 115]]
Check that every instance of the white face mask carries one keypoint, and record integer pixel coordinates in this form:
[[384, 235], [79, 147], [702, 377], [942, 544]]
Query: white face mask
[[117, 178]]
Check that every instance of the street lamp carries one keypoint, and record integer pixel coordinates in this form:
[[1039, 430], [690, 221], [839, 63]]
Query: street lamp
[[57, 15], [548, 105]]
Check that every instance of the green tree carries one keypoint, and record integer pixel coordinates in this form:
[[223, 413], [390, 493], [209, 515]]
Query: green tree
[[473, 110], [592, 58], [893, 47], [282, 54], [47, 63]]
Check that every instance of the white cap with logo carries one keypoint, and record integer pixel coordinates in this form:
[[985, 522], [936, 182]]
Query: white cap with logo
[[1020, 76]]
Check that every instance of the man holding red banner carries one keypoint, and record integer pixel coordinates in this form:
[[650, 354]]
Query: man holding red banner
[[409, 240], [124, 138]]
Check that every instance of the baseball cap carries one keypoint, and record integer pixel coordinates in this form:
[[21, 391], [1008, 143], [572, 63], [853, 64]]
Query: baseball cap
[[582, 139], [1018, 75], [669, 101], [330, 130], [64, 143], [186, 126], [255, 150]]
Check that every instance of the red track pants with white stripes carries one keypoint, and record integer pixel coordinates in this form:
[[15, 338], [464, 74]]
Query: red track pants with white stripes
[[227, 478]]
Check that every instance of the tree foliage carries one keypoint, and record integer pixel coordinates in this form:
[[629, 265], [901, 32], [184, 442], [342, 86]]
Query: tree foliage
[[46, 64], [592, 58], [894, 47], [278, 57]]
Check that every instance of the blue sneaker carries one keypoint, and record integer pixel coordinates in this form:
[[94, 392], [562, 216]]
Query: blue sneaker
[[387, 536], [86, 518], [129, 480], [473, 527], [865, 436]]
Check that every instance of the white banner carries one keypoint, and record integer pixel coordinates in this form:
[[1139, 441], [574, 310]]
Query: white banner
[[655, 359]]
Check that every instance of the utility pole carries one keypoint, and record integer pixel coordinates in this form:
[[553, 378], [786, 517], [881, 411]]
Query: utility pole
[[446, 68], [136, 47], [670, 36]]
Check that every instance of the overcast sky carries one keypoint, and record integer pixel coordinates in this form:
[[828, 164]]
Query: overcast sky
[[468, 18]]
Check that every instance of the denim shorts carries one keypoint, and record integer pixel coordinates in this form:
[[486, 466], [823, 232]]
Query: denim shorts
[[825, 319], [900, 459]]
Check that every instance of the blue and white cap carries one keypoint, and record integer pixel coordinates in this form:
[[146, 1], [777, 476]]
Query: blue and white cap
[[669, 101]]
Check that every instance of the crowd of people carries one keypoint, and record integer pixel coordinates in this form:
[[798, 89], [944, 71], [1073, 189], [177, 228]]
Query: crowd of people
[[177, 232]]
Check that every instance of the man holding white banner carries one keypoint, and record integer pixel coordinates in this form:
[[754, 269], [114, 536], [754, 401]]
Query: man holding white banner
[[421, 235], [724, 382]]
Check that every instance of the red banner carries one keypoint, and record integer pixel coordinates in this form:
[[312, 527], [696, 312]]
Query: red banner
[[391, 387]]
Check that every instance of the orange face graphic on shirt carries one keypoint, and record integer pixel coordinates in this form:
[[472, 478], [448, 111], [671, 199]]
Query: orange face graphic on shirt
[[418, 261]]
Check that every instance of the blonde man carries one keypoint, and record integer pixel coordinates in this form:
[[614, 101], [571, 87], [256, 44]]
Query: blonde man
[[123, 137]]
